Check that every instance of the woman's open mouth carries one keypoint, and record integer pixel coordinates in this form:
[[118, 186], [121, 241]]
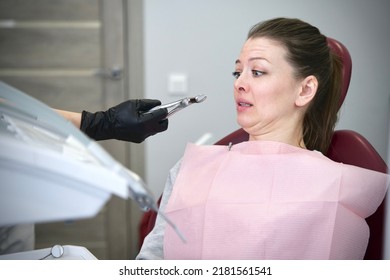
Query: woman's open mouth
[[244, 104]]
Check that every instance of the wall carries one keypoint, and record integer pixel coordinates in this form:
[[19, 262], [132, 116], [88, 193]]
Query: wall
[[203, 38]]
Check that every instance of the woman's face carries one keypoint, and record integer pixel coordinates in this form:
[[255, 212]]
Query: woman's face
[[265, 89]]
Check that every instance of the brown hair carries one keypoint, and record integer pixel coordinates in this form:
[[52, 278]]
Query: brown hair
[[309, 53]]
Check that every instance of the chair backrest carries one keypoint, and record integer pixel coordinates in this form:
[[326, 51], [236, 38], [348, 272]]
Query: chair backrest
[[347, 147]]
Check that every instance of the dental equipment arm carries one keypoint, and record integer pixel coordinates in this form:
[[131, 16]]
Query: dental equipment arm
[[51, 171]]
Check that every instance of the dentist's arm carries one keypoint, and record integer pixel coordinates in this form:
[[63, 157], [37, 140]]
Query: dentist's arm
[[73, 117]]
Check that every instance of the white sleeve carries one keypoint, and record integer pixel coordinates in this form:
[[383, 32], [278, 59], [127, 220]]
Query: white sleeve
[[153, 246]]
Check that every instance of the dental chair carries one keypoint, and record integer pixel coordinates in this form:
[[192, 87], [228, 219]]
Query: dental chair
[[346, 146]]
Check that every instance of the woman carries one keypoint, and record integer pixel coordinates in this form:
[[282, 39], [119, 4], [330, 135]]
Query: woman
[[275, 196]]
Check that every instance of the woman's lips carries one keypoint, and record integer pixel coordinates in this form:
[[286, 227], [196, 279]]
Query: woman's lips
[[243, 105]]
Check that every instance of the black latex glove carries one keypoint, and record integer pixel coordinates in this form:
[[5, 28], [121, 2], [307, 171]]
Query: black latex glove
[[125, 121]]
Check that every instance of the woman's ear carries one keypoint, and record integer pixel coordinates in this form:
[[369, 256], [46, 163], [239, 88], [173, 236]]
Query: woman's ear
[[308, 90]]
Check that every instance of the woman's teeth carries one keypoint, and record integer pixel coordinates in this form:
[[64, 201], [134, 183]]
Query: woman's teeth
[[244, 104]]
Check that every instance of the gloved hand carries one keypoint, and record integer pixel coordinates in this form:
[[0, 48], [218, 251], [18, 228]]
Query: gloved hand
[[125, 121]]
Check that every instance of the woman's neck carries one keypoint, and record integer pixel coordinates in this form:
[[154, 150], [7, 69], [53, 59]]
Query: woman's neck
[[291, 136]]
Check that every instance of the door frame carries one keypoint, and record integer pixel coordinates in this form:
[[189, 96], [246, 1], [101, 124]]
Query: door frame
[[122, 46]]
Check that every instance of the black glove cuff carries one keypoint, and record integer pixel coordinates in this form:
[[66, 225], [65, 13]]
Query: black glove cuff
[[92, 124]]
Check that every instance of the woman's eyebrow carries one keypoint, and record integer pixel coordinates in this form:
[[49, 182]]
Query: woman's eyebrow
[[252, 58]]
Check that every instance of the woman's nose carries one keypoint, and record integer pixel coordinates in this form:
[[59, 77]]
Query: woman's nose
[[241, 83]]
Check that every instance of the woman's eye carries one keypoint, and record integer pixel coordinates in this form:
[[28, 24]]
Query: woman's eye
[[236, 74], [257, 73]]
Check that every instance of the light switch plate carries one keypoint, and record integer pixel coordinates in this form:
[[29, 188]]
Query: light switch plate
[[178, 84]]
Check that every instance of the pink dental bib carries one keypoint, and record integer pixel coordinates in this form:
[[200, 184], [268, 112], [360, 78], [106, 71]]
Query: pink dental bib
[[269, 200]]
